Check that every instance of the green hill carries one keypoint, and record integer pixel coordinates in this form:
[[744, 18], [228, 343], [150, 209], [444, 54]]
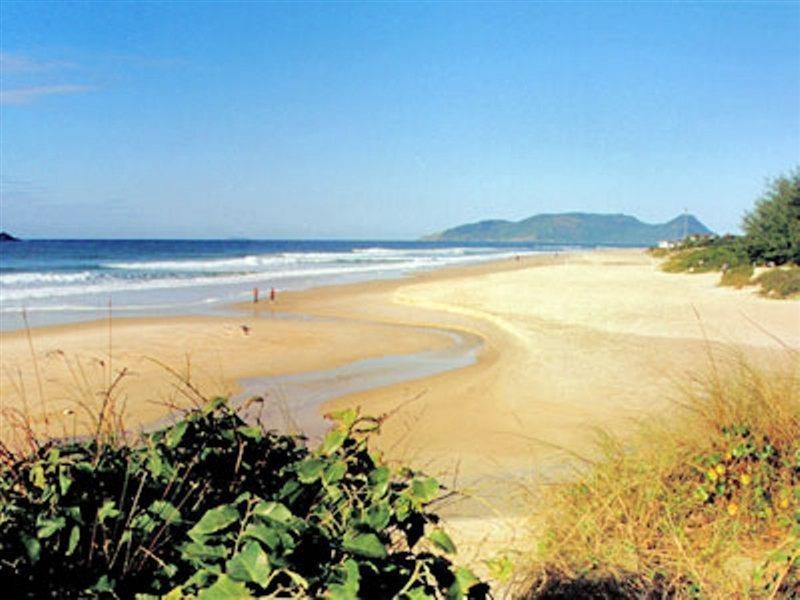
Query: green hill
[[575, 228]]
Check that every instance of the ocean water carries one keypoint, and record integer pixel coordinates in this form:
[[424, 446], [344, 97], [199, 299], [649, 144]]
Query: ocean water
[[61, 281]]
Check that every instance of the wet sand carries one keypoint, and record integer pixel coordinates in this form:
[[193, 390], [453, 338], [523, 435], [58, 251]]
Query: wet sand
[[160, 356]]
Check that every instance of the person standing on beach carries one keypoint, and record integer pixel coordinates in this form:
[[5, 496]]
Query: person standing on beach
[[272, 295], [255, 295]]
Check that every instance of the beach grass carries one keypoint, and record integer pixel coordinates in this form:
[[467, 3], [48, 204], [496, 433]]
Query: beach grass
[[704, 259], [780, 283], [705, 505], [738, 276], [771, 240]]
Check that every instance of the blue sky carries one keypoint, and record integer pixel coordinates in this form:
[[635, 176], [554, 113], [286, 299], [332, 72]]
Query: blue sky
[[387, 120]]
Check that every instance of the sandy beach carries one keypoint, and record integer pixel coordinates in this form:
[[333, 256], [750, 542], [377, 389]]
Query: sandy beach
[[570, 343]]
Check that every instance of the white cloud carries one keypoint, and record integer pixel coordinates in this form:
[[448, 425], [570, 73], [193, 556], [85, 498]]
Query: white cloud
[[26, 95], [18, 63]]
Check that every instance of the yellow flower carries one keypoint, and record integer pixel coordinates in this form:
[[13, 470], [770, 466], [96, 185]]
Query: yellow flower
[[728, 456], [784, 503], [721, 469], [733, 508], [712, 474], [745, 479]]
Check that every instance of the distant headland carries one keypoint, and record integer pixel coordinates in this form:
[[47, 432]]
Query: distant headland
[[7, 237], [575, 228]]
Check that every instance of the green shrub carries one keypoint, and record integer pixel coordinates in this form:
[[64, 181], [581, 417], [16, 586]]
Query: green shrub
[[738, 276], [772, 230], [214, 508], [772, 237], [725, 253], [780, 283]]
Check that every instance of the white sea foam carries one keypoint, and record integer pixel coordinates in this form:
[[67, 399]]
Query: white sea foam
[[267, 261], [46, 277], [40, 291]]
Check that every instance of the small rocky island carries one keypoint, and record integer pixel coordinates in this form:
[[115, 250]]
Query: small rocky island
[[7, 237]]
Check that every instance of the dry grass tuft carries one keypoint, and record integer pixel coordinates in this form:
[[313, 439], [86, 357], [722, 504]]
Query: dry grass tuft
[[708, 506], [781, 282]]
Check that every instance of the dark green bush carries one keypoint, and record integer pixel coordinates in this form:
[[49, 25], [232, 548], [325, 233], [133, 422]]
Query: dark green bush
[[214, 508], [772, 230]]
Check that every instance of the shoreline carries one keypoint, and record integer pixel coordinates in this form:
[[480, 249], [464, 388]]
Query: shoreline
[[301, 266], [88, 342], [377, 304]]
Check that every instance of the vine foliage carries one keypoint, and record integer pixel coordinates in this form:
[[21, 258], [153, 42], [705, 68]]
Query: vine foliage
[[212, 507]]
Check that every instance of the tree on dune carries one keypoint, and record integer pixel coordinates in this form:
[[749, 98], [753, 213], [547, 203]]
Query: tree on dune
[[772, 229]]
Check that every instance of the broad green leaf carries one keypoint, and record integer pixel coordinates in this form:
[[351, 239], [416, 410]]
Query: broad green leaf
[[74, 538], [53, 455], [339, 591], [348, 589], [310, 470], [418, 593], [143, 522], [345, 417], [465, 579], [378, 516], [73, 512], [175, 593], [332, 442], [243, 498], [48, 527], [287, 541], [202, 552], [37, 477], [107, 511], [402, 508], [169, 570], [252, 432], [334, 472], [214, 520], [166, 511], [365, 544], [250, 565], [274, 511], [213, 405], [175, 434], [202, 577], [263, 534], [379, 480], [32, 547], [225, 588], [425, 490], [64, 480], [442, 541], [154, 463], [84, 467], [298, 579], [334, 493], [103, 584]]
